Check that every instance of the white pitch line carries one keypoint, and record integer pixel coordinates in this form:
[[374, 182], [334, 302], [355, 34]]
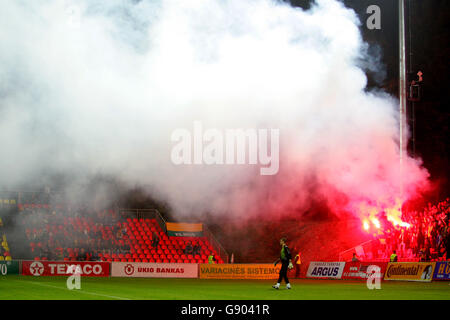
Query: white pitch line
[[79, 291]]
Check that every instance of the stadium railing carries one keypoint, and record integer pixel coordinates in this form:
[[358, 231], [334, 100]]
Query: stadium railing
[[145, 214], [348, 254], [223, 254]]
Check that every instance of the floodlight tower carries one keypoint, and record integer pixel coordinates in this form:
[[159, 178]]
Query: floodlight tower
[[403, 81], [402, 91]]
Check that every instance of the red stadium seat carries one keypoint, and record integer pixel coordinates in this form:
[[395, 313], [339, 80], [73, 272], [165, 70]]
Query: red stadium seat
[[185, 261]]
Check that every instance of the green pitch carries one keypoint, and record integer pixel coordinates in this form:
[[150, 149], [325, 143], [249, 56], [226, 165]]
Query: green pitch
[[52, 288]]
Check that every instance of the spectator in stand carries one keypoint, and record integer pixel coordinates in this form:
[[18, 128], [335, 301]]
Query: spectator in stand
[[94, 256], [447, 245], [119, 233], [82, 255], [197, 249], [422, 256], [155, 240], [188, 249], [45, 252], [355, 258], [123, 230], [59, 255]]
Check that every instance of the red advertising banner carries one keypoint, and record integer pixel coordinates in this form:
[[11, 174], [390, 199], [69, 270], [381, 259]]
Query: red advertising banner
[[358, 270], [59, 268]]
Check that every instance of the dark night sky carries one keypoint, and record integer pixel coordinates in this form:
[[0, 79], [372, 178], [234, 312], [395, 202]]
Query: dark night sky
[[428, 51]]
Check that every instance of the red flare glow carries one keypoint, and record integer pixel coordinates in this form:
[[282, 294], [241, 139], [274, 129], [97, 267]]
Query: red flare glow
[[366, 225], [372, 215]]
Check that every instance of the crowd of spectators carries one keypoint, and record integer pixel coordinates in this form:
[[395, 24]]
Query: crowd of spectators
[[73, 233], [4, 247], [426, 238], [192, 249]]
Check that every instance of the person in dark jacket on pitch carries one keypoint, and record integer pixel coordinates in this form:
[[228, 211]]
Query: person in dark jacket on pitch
[[286, 263]]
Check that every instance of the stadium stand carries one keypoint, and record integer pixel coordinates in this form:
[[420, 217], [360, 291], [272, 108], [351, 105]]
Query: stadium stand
[[4, 247], [81, 234], [426, 239], [169, 250]]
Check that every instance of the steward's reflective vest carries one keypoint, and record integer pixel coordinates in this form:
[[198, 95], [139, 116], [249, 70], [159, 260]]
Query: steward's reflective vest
[[393, 257]]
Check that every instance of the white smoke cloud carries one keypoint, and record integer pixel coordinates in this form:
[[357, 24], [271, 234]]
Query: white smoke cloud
[[91, 87]]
